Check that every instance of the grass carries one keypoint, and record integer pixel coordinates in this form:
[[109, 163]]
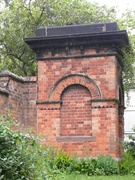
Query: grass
[[85, 177]]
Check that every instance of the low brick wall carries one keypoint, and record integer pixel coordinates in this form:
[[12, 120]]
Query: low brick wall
[[19, 95]]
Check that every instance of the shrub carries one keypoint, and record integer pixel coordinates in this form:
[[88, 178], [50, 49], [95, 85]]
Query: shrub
[[21, 155], [85, 166], [130, 145], [62, 160], [127, 165], [16, 159], [103, 165], [107, 164]]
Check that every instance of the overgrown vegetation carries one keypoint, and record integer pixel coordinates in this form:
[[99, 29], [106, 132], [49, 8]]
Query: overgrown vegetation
[[103, 165], [21, 155], [23, 158], [129, 146]]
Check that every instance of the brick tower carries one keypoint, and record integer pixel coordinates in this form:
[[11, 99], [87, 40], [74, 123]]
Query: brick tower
[[80, 92]]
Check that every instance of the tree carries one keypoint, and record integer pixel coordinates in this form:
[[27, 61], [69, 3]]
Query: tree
[[127, 21], [20, 18]]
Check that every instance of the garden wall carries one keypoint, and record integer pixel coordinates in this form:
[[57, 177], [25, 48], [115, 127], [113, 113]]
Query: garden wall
[[19, 95]]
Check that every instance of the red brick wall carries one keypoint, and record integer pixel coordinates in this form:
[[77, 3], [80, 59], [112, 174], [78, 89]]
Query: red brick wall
[[3, 102], [77, 104], [73, 92], [20, 98], [80, 91], [29, 102], [75, 112]]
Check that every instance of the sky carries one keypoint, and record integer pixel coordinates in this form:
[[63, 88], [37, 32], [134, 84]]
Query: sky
[[122, 4]]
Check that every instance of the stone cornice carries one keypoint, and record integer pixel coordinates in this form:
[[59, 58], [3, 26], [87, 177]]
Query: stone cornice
[[105, 100], [104, 103], [49, 44], [48, 102]]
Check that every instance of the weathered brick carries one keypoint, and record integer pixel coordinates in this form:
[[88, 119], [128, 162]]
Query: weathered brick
[[21, 100], [78, 95]]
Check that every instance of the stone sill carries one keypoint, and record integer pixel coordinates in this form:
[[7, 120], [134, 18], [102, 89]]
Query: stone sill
[[76, 139]]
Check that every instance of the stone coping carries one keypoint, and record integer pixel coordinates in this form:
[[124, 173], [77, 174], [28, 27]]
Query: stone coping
[[7, 73], [4, 91]]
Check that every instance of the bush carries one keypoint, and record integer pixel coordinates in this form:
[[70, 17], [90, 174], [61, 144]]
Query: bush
[[16, 159], [82, 165], [127, 165], [63, 161], [103, 165], [130, 145], [23, 158], [107, 165], [21, 155]]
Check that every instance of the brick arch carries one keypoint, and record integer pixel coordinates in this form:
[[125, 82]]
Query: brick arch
[[79, 79]]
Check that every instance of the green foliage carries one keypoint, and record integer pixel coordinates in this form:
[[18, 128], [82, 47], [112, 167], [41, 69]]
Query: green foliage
[[129, 145], [62, 161], [21, 155], [23, 158], [107, 164], [128, 68], [19, 19], [87, 166], [103, 165], [85, 177], [127, 165], [16, 161]]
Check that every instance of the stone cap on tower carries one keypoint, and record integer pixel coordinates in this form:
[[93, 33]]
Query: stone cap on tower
[[76, 29], [57, 40]]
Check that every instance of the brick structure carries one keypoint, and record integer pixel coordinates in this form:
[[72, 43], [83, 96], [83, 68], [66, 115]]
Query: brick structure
[[80, 93], [19, 95]]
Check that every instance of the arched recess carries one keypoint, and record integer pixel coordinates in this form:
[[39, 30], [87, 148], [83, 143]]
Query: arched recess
[[80, 79], [75, 111]]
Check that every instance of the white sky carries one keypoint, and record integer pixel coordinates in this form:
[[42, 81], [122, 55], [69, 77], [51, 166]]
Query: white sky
[[122, 4]]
